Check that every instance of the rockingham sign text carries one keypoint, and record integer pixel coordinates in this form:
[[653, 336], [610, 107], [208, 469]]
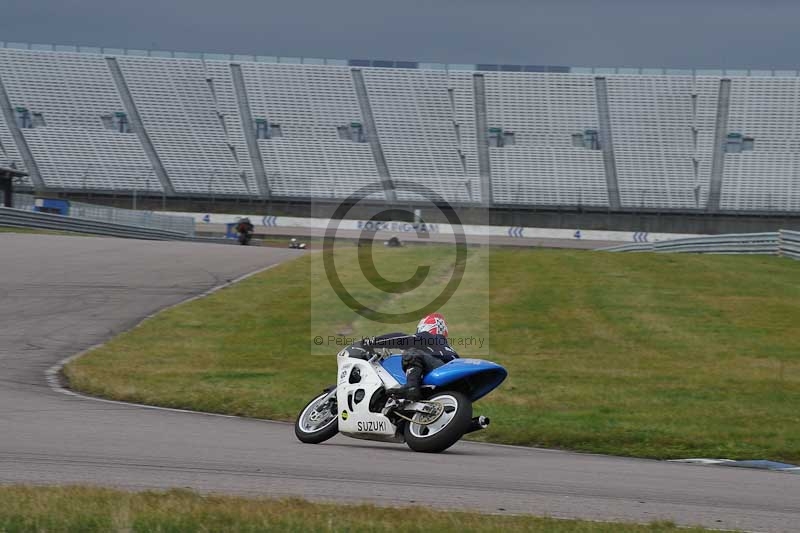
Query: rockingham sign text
[[397, 227]]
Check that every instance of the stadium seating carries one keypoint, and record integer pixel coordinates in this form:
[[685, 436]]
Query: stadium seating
[[310, 122], [8, 149], [652, 120], [543, 111], [767, 178], [73, 150], [416, 122], [309, 103], [179, 113], [219, 77]]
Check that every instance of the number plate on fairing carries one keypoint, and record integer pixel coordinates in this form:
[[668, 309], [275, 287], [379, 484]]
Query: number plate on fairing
[[354, 399]]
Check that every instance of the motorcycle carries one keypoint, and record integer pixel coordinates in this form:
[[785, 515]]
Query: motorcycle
[[245, 237], [393, 242], [361, 405]]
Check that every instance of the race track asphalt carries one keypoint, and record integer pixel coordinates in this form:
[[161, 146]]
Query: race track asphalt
[[61, 295]]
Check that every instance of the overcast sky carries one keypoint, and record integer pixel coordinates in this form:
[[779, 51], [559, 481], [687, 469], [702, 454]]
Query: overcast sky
[[669, 33]]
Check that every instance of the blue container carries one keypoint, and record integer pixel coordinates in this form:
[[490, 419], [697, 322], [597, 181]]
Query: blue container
[[230, 230], [55, 206]]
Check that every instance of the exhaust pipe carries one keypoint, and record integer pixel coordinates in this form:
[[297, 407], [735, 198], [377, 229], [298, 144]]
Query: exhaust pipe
[[478, 423]]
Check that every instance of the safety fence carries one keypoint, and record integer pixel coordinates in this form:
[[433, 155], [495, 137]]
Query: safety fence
[[25, 202], [128, 217], [19, 218], [783, 242]]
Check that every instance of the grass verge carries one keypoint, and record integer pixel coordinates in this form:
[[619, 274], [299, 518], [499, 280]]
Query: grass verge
[[84, 509], [661, 356]]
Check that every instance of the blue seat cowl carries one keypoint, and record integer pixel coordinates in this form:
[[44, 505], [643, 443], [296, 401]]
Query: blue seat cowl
[[458, 369], [481, 376], [475, 377]]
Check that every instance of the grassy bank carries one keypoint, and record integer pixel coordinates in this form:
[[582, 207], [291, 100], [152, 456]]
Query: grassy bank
[[86, 510], [658, 356]]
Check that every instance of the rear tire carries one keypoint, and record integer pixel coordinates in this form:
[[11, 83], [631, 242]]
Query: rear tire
[[446, 430], [319, 419]]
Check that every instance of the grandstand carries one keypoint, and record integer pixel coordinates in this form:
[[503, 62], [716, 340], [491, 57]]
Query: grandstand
[[186, 125]]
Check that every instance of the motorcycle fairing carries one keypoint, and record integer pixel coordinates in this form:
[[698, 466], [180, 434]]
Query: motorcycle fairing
[[480, 377], [353, 399]]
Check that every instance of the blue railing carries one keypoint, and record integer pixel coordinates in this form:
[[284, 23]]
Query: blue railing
[[379, 63]]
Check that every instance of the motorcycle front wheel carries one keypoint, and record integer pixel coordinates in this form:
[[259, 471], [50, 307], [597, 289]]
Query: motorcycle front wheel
[[319, 420], [434, 436]]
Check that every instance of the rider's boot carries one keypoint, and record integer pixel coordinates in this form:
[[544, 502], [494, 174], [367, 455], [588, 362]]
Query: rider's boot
[[411, 390]]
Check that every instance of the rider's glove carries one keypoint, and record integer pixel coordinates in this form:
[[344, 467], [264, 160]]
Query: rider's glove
[[368, 342]]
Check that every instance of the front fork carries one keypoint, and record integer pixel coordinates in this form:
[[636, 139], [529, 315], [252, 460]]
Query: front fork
[[331, 399]]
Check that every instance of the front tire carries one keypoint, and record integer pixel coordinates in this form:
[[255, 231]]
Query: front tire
[[446, 430], [319, 420]]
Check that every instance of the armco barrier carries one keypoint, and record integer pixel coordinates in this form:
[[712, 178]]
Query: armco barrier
[[790, 243], [737, 243], [27, 219], [783, 242], [633, 247]]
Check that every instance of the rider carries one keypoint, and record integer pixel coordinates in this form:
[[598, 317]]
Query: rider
[[244, 226], [422, 352]]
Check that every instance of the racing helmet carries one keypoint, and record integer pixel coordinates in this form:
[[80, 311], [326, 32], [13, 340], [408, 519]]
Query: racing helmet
[[434, 323]]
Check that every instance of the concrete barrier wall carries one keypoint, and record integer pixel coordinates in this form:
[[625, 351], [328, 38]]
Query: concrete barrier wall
[[400, 228]]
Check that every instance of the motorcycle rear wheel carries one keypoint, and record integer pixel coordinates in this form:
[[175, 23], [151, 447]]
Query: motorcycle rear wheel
[[445, 430], [319, 420]]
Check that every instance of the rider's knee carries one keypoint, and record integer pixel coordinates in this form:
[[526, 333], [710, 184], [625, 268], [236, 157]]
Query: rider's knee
[[413, 358]]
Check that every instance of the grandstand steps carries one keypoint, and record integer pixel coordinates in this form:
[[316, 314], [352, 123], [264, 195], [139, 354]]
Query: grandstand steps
[[220, 115], [19, 140], [482, 130], [372, 136], [607, 142], [249, 130], [138, 126], [720, 140]]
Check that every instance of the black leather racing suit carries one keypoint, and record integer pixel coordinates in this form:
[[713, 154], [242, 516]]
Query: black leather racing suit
[[424, 350]]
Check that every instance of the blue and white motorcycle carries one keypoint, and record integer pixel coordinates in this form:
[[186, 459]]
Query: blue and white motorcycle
[[362, 406]]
